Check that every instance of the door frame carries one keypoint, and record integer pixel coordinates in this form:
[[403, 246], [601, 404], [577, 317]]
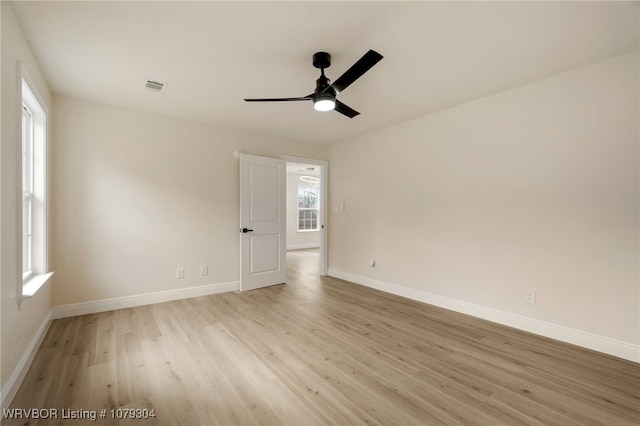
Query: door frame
[[324, 200]]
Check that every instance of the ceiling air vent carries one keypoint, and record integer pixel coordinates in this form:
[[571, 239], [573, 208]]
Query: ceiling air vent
[[155, 86]]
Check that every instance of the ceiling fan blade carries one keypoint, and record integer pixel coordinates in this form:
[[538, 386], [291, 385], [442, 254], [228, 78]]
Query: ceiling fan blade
[[356, 71], [345, 110], [305, 98]]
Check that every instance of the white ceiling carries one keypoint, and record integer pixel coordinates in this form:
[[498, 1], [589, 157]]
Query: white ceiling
[[214, 54], [303, 169]]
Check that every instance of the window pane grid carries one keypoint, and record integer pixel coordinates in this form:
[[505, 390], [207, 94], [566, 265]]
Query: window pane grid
[[308, 207], [27, 150], [27, 191]]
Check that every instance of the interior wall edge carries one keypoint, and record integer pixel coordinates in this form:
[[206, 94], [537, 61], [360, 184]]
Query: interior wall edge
[[64, 311], [15, 380], [301, 246], [564, 334], [104, 305]]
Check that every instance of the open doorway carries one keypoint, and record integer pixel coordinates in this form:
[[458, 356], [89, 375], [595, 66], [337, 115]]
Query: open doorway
[[306, 213]]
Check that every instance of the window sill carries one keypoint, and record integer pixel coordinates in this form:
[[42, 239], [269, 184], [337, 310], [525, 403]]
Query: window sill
[[34, 283]]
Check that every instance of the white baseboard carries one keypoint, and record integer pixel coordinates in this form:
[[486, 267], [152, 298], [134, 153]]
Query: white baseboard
[[300, 246], [586, 340], [105, 305], [11, 387]]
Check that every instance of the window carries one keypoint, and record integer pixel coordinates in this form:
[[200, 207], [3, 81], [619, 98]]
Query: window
[[34, 200], [308, 207], [27, 192]]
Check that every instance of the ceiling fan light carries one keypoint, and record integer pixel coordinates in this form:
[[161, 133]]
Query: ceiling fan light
[[325, 103]]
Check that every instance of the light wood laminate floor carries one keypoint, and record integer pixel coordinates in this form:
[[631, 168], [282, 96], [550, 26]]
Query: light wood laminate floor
[[320, 351]]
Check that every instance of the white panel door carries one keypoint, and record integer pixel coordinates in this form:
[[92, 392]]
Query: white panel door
[[263, 236]]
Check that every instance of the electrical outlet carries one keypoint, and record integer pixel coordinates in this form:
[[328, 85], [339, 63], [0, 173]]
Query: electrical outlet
[[372, 263], [180, 273], [204, 270], [531, 296]]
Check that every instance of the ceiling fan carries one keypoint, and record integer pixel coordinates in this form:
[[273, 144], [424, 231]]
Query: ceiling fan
[[324, 97]]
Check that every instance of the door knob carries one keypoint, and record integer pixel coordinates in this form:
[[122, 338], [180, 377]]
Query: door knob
[[245, 230]]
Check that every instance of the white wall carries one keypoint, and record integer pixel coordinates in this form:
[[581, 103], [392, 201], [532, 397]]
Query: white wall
[[18, 327], [533, 188], [137, 195], [295, 239]]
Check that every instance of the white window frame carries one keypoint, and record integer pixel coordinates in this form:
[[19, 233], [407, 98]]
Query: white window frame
[[34, 242], [302, 186]]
